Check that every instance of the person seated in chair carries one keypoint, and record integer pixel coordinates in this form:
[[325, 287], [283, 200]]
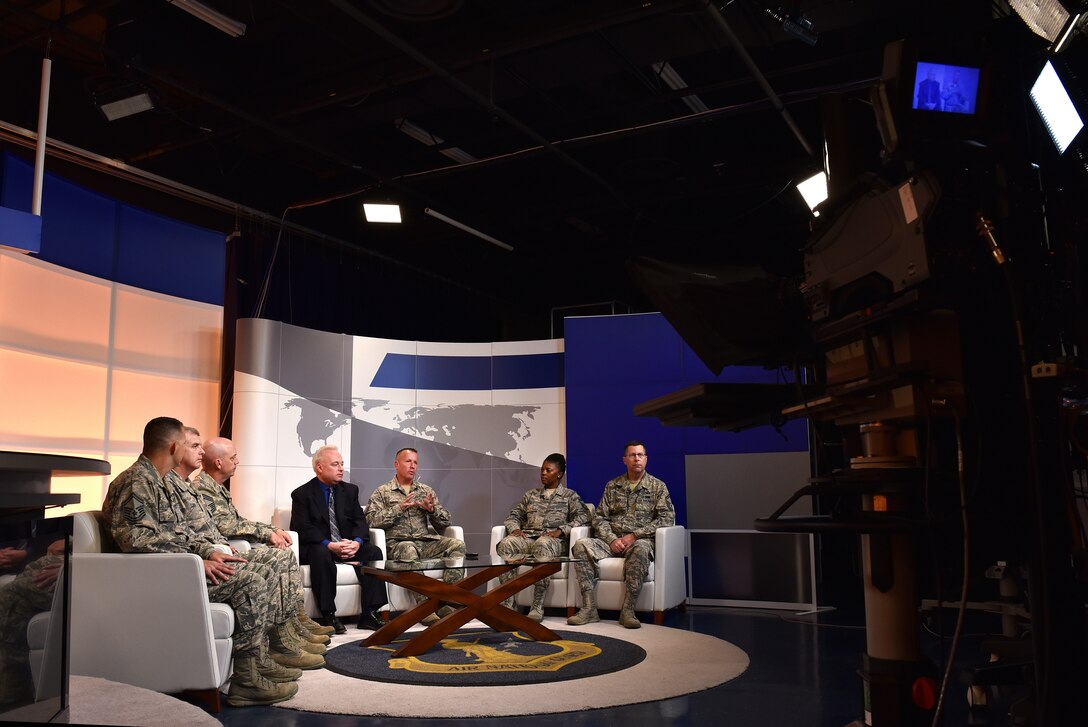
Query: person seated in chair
[[219, 463], [405, 508], [286, 646], [539, 525], [144, 516], [326, 515], [633, 506]]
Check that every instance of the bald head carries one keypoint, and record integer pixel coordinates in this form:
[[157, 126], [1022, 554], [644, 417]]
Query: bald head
[[220, 458]]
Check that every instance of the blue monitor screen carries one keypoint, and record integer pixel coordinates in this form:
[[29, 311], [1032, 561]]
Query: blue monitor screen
[[945, 88]]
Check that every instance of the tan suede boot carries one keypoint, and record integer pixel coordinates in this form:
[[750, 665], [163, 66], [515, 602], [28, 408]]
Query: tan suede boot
[[283, 652], [587, 614], [628, 619], [305, 634], [313, 626], [536, 613], [272, 671], [249, 689]]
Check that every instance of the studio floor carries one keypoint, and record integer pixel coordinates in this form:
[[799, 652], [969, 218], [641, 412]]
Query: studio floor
[[803, 672]]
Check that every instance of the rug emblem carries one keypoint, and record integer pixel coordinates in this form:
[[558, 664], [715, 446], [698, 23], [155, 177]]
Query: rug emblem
[[483, 658]]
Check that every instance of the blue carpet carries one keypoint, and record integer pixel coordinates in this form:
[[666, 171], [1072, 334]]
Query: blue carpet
[[482, 658]]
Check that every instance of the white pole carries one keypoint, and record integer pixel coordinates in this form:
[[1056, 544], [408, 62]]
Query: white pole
[[39, 151], [466, 228]]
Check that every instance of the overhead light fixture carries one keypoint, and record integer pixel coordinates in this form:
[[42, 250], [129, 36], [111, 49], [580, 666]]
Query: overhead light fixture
[[425, 137], [672, 79], [814, 190], [119, 104], [1051, 19], [466, 228], [799, 26], [214, 18], [381, 212]]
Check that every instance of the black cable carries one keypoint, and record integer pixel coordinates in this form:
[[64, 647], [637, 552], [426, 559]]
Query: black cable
[[958, 633]]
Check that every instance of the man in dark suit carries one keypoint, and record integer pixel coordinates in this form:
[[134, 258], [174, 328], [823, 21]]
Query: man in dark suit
[[325, 541]]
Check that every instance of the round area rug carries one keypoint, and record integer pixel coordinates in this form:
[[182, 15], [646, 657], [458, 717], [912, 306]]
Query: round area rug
[[677, 662], [485, 658], [101, 702]]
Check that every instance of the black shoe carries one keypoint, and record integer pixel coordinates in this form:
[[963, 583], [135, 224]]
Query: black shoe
[[370, 621], [334, 622]]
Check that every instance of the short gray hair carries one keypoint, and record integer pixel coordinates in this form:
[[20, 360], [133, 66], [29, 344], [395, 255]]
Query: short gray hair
[[322, 451]]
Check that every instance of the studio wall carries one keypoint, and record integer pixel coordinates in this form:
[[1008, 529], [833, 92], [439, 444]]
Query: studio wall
[[117, 321], [482, 415], [85, 363]]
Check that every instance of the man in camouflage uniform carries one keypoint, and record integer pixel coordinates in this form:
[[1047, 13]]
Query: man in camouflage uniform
[[540, 526], [633, 506], [220, 462], [28, 594], [145, 516], [405, 508], [287, 647]]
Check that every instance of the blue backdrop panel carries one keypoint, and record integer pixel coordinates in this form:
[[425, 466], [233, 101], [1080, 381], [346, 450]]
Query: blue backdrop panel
[[97, 235], [78, 226], [613, 363], [470, 373], [158, 253]]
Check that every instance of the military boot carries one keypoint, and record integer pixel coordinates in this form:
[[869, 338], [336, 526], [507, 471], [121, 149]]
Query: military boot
[[305, 634], [536, 613], [628, 619], [249, 689], [272, 671], [300, 643], [587, 614], [282, 651], [313, 626]]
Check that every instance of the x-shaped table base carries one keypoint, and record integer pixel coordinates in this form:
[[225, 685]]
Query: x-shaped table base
[[487, 608]]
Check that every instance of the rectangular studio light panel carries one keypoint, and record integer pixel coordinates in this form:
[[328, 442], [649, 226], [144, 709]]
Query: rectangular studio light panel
[[381, 212], [1056, 108]]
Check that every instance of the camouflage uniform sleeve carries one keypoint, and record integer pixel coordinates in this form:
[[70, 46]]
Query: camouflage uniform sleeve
[[664, 514], [225, 515], [516, 519], [380, 512], [576, 514], [602, 524], [440, 518], [133, 519]]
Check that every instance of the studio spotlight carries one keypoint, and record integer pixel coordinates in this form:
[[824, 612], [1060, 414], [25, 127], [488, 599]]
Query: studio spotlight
[[381, 212], [1054, 20], [1056, 107], [814, 190]]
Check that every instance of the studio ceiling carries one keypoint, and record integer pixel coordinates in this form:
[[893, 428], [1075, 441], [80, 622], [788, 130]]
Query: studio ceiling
[[584, 155]]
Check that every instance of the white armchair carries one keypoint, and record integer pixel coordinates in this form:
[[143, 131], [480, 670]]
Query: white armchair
[[348, 598], [144, 619], [564, 584], [666, 581]]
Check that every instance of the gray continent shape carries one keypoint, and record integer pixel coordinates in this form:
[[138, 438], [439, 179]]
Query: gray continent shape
[[316, 423], [480, 428]]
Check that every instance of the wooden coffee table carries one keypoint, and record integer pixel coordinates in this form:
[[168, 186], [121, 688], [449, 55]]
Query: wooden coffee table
[[487, 608]]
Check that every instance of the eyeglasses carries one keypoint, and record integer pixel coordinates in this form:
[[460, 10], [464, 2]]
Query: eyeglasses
[[635, 456]]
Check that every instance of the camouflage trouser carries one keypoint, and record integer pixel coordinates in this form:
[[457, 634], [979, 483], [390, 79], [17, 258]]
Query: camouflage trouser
[[283, 573], [636, 563], [30, 593], [248, 592], [542, 547], [442, 547]]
